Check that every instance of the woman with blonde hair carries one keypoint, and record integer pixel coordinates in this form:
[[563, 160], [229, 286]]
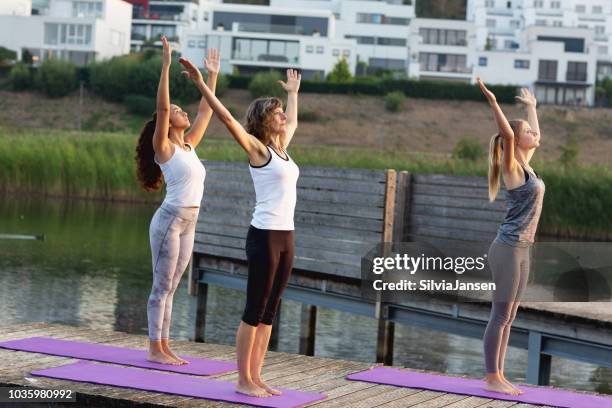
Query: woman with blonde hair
[[510, 152]]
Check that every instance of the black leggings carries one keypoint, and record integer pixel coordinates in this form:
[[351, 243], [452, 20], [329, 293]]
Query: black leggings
[[270, 257]]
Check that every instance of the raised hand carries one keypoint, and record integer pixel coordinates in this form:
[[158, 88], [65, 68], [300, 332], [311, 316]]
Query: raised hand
[[488, 94], [526, 98], [293, 81], [167, 54], [191, 71], [212, 63]]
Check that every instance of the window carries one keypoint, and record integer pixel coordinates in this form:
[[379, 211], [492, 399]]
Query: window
[[79, 34], [521, 64], [335, 52], [600, 30], [547, 70], [309, 49], [576, 71], [443, 37], [320, 49], [509, 4], [489, 3], [597, 9], [515, 23], [557, 23], [538, 3], [580, 8], [346, 53], [368, 18], [86, 9], [602, 50], [491, 23], [361, 39], [191, 43], [571, 44], [399, 42], [482, 61], [555, 4], [443, 62], [540, 22], [201, 44]]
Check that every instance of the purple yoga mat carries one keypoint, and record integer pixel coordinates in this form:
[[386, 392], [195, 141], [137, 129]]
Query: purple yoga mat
[[467, 386], [116, 355], [188, 386]]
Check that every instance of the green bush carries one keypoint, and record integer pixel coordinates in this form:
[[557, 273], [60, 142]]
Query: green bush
[[340, 72], [20, 77], [394, 101], [468, 148], [265, 84], [569, 153], [7, 55], [308, 116], [222, 85], [57, 78], [139, 104], [111, 79]]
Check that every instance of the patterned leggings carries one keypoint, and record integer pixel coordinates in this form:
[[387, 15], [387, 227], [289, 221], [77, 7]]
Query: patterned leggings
[[171, 233]]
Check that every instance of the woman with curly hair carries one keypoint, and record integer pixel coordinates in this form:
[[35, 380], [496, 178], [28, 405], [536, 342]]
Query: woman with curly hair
[[166, 152], [269, 242]]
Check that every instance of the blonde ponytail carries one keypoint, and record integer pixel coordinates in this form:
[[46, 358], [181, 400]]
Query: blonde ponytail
[[495, 158]]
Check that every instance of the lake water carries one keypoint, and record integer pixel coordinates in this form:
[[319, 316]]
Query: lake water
[[94, 270]]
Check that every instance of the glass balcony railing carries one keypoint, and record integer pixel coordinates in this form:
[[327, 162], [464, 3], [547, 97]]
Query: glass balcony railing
[[271, 28], [262, 57], [446, 69], [140, 15]]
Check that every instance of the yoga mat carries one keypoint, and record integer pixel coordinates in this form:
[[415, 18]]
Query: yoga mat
[[156, 381], [467, 386], [116, 355]]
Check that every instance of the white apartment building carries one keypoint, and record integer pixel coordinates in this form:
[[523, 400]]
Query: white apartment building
[[162, 17], [79, 31], [501, 22], [253, 38], [442, 49], [558, 63]]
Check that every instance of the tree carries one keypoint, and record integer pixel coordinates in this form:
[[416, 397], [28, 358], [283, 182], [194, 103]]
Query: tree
[[7, 55], [340, 72]]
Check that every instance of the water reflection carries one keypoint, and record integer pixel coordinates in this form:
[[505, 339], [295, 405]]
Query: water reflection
[[94, 270]]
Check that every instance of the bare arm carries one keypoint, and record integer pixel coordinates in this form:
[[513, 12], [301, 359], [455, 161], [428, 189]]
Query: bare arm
[[503, 127], [530, 103], [161, 145], [255, 150], [196, 133], [292, 87]]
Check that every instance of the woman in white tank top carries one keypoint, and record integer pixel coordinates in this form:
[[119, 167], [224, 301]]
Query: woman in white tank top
[[166, 153], [269, 244]]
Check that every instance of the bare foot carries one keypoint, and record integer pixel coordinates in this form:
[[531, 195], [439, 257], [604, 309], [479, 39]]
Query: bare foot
[[259, 382], [498, 385], [252, 390], [512, 385], [161, 358], [174, 356]]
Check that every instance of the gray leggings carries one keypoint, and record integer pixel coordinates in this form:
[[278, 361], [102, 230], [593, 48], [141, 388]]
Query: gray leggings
[[171, 233], [510, 269]]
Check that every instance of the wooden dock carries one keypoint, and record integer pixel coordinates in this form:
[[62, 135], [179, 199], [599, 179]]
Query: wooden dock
[[298, 372]]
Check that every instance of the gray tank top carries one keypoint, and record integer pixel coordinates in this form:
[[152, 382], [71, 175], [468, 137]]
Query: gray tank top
[[523, 209]]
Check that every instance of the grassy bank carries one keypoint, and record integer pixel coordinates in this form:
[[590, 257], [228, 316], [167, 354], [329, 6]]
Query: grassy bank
[[101, 165]]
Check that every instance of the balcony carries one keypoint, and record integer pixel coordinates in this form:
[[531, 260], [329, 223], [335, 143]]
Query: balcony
[[242, 56], [447, 69], [270, 28]]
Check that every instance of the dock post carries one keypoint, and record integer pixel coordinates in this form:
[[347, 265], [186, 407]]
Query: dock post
[[386, 333], [200, 320], [308, 324], [538, 364]]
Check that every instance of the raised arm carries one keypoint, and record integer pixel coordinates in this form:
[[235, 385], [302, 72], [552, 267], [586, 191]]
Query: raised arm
[[196, 133], [529, 101], [292, 86], [254, 148], [161, 143], [503, 127]]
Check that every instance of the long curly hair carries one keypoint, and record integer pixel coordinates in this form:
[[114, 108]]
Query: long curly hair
[[148, 172], [258, 117]]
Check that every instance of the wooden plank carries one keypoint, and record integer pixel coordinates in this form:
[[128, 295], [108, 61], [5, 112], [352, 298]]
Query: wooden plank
[[451, 233], [441, 401], [402, 206], [463, 213], [454, 223], [451, 180], [456, 191], [452, 202]]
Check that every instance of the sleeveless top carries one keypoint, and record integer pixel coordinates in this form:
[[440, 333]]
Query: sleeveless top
[[184, 175], [275, 192], [523, 209]]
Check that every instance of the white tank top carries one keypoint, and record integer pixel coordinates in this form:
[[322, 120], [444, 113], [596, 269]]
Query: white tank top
[[184, 175], [275, 192]]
